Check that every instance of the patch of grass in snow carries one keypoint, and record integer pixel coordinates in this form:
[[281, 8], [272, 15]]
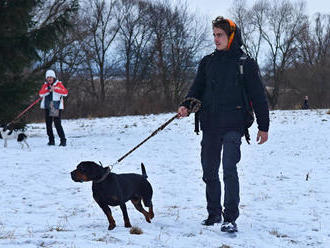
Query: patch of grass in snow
[[34, 127], [277, 234], [60, 227], [189, 235], [225, 246], [263, 196], [6, 234], [135, 230], [106, 239], [30, 232], [101, 239], [47, 244], [47, 236]]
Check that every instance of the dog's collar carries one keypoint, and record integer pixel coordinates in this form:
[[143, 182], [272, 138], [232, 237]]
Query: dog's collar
[[106, 174]]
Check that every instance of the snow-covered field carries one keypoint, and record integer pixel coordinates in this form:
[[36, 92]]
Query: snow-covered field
[[42, 207]]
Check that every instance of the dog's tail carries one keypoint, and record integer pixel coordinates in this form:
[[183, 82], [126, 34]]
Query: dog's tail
[[144, 173]]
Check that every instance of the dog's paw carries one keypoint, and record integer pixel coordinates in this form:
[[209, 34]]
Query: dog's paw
[[128, 224], [147, 217], [111, 227], [151, 213]]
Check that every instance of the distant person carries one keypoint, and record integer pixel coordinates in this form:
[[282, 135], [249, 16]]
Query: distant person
[[52, 93], [305, 105], [222, 118]]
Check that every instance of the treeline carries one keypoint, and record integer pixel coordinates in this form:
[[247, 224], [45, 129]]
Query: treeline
[[292, 48], [128, 57], [121, 57], [28, 28]]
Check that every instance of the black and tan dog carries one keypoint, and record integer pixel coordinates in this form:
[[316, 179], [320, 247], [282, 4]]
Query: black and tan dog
[[116, 189]]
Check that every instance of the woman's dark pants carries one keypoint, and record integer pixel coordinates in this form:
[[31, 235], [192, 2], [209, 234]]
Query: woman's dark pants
[[49, 125]]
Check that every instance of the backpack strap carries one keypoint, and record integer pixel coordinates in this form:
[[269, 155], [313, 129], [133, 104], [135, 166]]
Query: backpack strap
[[241, 64], [246, 102], [242, 60], [197, 123]]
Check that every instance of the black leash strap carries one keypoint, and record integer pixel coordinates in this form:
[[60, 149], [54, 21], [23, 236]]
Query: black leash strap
[[194, 105], [197, 123], [153, 134]]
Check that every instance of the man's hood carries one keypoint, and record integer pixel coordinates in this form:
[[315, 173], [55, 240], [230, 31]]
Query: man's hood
[[234, 42]]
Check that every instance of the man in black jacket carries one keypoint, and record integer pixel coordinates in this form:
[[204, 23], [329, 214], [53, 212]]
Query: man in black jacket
[[222, 118]]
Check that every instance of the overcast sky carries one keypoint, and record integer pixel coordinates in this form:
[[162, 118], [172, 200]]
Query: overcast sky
[[214, 8]]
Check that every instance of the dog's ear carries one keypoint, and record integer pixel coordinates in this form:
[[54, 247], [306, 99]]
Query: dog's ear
[[81, 164], [6, 127], [87, 163]]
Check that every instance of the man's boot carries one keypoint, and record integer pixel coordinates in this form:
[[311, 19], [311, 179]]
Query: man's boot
[[229, 227], [51, 142], [211, 220], [63, 142]]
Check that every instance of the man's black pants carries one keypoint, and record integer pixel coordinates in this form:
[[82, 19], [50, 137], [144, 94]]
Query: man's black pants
[[212, 144], [49, 125]]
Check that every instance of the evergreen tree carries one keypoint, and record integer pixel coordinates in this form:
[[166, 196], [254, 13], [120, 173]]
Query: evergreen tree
[[27, 27]]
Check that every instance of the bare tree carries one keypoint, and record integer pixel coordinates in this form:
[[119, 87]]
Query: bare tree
[[134, 42], [66, 57], [158, 24], [272, 28], [315, 43], [177, 38], [187, 35], [47, 15], [284, 22], [101, 22], [312, 69], [248, 21]]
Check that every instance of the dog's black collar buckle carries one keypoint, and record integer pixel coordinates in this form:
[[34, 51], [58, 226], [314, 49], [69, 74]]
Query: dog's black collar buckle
[[106, 174]]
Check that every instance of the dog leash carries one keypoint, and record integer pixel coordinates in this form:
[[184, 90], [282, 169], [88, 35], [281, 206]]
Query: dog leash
[[145, 140], [193, 105], [24, 111]]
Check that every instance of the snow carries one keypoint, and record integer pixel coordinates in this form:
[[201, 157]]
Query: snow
[[42, 207]]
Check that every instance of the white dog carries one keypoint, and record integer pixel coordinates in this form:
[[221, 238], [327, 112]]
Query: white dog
[[7, 134]]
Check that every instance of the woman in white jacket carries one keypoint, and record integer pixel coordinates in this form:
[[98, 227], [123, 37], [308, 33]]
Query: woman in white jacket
[[52, 93]]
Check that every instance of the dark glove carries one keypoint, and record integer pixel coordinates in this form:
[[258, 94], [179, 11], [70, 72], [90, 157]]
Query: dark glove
[[192, 104]]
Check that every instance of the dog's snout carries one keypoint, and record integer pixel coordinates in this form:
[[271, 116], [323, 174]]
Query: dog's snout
[[73, 175], [76, 176]]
